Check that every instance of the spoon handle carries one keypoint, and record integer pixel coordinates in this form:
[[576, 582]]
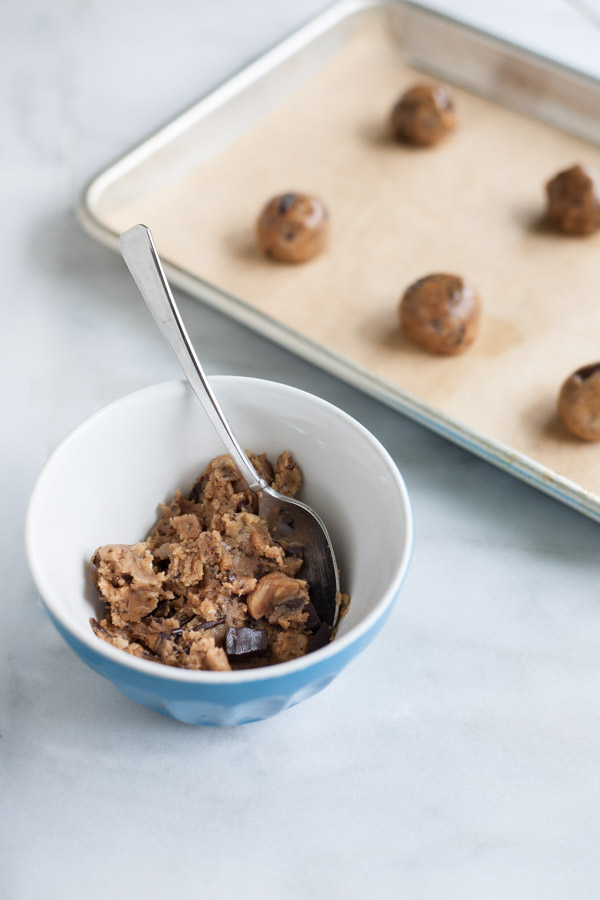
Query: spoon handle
[[139, 252]]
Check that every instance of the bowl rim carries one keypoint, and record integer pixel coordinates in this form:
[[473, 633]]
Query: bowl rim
[[159, 670]]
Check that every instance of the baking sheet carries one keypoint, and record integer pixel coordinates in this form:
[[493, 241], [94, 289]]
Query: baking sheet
[[470, 206]]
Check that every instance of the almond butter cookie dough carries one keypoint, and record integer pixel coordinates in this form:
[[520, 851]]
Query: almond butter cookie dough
[[293, 227], [574, 201], [440, 313], [579, 403], [209, 588], [423, 115]]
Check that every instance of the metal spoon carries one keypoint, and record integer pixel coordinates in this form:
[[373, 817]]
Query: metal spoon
[[286, 518]]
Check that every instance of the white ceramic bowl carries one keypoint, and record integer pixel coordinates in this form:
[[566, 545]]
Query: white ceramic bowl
[[103, 485]]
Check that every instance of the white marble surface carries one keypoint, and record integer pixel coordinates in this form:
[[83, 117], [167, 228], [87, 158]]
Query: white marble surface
[[458, 757]]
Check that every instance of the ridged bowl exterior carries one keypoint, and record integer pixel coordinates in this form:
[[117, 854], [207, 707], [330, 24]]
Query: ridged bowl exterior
[[221, 704]]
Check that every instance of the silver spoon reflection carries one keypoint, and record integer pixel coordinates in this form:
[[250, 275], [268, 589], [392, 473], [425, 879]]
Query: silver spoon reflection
[[286, 518]]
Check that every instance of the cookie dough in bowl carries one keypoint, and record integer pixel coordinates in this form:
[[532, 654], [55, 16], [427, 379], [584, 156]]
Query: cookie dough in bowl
[[95, 491], [210, 588]]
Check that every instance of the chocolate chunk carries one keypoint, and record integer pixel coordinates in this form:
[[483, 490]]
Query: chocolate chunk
[[245, 643], [321, 638], [293, 604], [98, 627], [194, 494], [587, 371], [286, 202], [314, 619], [203, 626]]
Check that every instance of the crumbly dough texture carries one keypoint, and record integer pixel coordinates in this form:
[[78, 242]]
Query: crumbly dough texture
[[209, 588]]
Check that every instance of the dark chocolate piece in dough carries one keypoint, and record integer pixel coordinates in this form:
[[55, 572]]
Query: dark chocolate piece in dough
[[321, 638], [314, 620], [245, 643]]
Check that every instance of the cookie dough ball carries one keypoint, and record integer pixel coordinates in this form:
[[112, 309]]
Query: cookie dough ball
[[579, 403], [440, 313], [574, 201], [423, 115], [293, 227]]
